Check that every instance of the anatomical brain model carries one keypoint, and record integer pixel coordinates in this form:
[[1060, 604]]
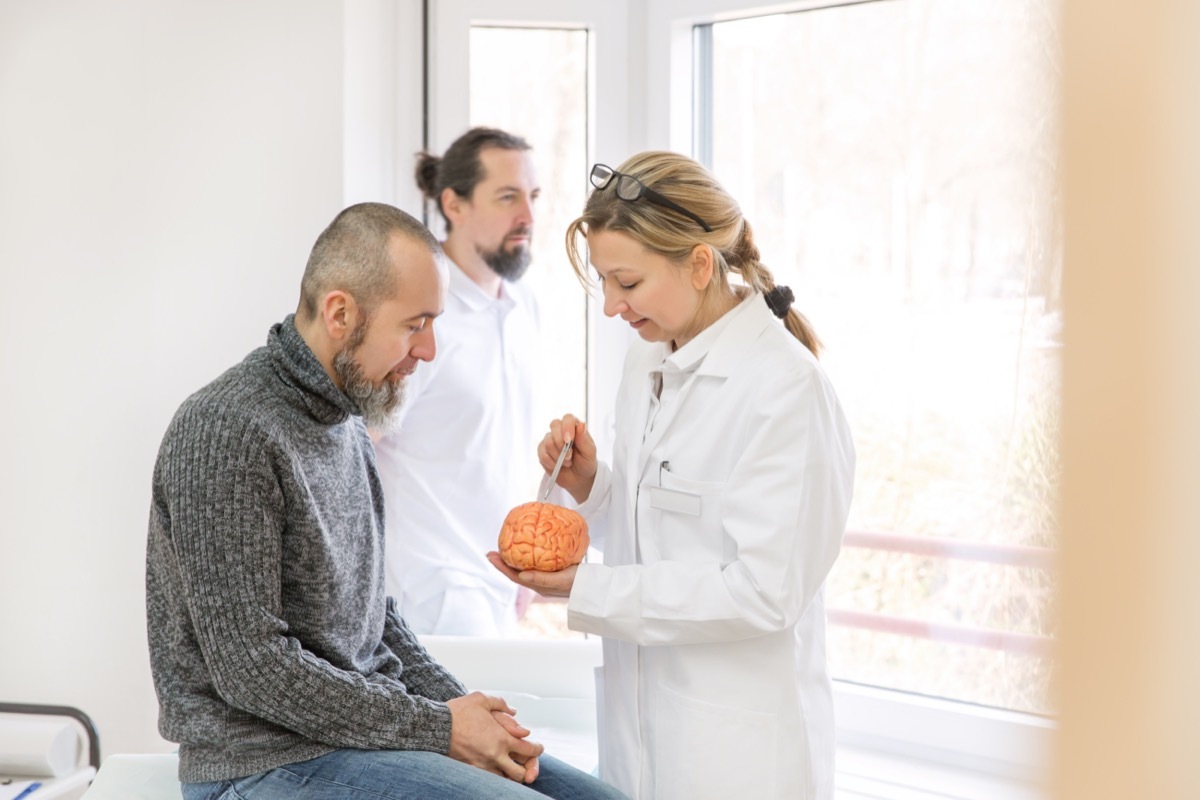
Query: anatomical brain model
[[543, 536]]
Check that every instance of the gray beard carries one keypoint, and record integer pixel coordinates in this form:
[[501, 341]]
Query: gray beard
[[377, 402], [510, 266]]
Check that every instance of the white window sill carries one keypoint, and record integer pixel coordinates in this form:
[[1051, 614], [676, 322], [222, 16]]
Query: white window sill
[[897, 746], [871, 775]]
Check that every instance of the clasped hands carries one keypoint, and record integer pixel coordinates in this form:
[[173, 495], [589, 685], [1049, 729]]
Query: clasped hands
[[485, 733]]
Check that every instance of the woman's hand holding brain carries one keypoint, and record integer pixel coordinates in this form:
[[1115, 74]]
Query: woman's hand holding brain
[[543, 537]]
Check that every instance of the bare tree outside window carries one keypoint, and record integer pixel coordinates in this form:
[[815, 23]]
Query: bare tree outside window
[[899, 163]]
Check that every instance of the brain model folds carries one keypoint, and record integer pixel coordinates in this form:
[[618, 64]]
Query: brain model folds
[[543, 536]]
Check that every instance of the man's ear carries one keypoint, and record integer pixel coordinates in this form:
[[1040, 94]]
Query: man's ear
[[338, 315], [453, 205], [702, 266]]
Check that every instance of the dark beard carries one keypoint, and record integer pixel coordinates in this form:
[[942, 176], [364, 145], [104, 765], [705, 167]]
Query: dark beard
[[375, 401], [510, 266]]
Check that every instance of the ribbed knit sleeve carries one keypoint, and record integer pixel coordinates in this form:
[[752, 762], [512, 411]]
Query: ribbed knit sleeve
[[422, 674]]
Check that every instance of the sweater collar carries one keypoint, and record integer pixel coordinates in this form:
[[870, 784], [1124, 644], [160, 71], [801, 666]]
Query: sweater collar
[[311, 386]]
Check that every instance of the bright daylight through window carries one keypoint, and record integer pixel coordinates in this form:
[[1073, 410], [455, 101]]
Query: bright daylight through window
[[533, 82], [899, 163]]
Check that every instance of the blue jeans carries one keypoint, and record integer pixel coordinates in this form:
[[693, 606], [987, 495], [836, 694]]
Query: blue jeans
[[397, 774]]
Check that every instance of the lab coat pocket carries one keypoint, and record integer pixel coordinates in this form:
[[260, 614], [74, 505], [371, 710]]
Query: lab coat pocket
[[709, 750], [686, 519]]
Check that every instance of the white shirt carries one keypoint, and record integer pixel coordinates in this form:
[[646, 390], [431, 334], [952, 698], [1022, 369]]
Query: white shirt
[[465, 452]]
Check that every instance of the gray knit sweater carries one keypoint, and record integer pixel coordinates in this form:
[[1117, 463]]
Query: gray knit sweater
[[271, 640]]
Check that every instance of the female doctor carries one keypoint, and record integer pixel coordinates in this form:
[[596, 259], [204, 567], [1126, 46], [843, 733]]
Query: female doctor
[[724, 507]]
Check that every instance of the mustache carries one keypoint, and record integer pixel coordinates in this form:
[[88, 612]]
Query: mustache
[[524, 230]]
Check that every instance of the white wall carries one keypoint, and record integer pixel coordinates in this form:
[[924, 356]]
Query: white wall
[[164, 169]]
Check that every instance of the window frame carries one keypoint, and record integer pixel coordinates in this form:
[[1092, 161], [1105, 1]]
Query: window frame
[[609, 75], [383, 82]]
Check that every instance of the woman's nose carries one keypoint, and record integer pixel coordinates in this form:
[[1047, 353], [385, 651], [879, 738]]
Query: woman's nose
[[612, 305]]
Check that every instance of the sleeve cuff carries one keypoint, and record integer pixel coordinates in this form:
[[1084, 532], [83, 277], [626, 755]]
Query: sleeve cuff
[[597, 499], [585, 606]]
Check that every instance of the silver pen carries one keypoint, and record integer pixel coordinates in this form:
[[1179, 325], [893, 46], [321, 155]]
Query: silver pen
[[557, 469]]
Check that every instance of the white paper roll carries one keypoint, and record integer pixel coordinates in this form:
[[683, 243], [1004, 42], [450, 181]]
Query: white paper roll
[[37, 746]]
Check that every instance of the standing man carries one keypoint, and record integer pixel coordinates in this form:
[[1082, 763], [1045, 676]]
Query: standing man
[[281, 668], [462, 455]]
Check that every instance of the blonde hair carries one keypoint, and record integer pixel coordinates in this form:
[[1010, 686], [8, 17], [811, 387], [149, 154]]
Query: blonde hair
[[674, 236]]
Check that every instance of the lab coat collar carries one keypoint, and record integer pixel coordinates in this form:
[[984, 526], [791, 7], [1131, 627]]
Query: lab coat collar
[[686, 358], [739, 327], [720, 353], [473, 297]]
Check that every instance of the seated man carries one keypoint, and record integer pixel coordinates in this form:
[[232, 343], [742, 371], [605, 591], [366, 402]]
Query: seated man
[[281, 668]]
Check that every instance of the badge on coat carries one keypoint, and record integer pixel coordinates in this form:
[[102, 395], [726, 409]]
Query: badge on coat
[[674, 500]]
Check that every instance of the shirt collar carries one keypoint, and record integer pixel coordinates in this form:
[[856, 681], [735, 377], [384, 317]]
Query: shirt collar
[[475, 298]]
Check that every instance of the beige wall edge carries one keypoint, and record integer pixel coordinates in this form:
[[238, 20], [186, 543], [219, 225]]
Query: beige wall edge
[[1130, 630]]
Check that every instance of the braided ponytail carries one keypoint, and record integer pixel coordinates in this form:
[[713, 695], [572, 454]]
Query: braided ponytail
[[743, 258]]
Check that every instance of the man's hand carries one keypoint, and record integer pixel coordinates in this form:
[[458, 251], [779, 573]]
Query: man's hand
[[484, 734], [510, 724], [548, 584]]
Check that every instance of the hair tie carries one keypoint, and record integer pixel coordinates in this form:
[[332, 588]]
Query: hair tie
[[780, 300]]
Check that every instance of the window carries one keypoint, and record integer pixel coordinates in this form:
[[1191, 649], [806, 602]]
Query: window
[[533, 82], [899, 164]]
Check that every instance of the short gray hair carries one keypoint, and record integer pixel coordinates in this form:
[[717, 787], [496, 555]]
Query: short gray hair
[[352, 255]]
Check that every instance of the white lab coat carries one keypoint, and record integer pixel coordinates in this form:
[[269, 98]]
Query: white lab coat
[[710, 597]]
